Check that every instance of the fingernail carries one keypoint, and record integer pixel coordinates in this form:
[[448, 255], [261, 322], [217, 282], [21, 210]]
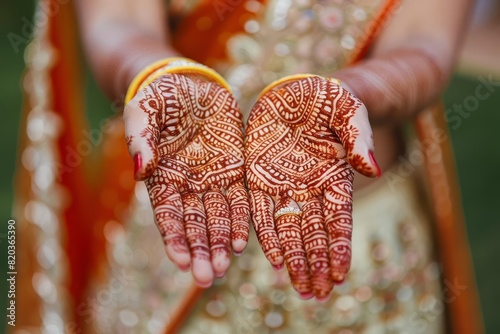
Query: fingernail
[[204, 285], [323, 299], [185, 268], [219, 274], [372, 158], [306, 296], [238, 253], [338, 278], [137, 165], [278, 267]]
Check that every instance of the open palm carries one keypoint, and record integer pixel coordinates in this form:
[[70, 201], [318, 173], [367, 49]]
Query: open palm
[[303, 136], [185, 134]]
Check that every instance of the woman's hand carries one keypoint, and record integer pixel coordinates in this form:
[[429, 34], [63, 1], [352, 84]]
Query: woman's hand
[[303, 136], [185, 134]]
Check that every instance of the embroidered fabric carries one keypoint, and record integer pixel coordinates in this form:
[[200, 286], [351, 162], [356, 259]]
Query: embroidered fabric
[[393, 286]]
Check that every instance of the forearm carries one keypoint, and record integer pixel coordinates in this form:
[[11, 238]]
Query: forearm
[[398, 84], [120, 42], [116, 63], [411, 59]]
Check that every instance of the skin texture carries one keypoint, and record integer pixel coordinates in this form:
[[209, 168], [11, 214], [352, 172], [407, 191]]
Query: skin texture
[[302, 139], [186, 135], [121, 37], [421, 40], [410, 90], [410, 61]]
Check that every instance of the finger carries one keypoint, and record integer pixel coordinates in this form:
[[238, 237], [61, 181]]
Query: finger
[[240, 216], [287, 217], [167, 206], [196, 233], [337, 206], [316, 245], [142, 133], [219, 230], [262, 209], [350, 122]]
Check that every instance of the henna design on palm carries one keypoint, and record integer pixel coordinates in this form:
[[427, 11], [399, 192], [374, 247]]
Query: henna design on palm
[[185, 134], [303, 136]]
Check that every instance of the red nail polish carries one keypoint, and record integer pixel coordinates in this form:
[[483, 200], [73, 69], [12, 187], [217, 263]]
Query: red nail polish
[[323, 299], [204, 285], [219, 274], [137, 165], [278, 267], [339, 278], [185, 268], [237, 253], [372, 158], [306, 296]]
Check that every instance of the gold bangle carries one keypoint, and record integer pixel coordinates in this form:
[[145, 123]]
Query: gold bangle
[[293, 77], [171, 65]]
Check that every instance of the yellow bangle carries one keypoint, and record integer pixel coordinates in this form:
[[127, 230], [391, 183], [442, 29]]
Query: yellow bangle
[[171, 65], [290, 78]]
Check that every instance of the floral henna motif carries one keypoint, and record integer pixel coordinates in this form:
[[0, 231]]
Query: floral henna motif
[[188, 132], [301, 137]]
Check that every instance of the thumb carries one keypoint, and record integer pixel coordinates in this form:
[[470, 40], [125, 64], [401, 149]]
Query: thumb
[[350, 121], [142, 135]]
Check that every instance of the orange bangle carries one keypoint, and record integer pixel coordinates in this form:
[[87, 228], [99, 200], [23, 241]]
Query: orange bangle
[[171, 65], [290, 78]]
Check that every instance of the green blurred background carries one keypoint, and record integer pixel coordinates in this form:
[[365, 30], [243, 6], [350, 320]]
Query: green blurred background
[[475, 143]]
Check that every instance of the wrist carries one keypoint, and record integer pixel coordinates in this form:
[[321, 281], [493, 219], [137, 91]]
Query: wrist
[[171, 65], [133, 63], [294, 77], [117, 51]]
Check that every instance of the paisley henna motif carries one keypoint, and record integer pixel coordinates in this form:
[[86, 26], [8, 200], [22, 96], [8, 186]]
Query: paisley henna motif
[[301, 137], [188, 132]]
